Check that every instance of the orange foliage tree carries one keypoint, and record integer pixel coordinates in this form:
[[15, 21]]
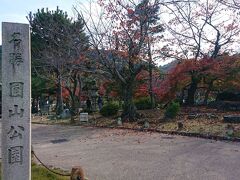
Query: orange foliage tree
[[120, 44], [210, 74]]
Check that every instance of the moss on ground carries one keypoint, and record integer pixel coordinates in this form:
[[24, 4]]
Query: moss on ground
[[41, 173]]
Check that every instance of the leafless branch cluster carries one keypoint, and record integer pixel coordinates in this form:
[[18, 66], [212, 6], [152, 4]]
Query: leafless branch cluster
[[200, 28], [231, 3]]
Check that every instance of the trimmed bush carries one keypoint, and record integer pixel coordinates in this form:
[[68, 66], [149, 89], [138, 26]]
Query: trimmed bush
[[109, 109], [143, 103], [172, 110]]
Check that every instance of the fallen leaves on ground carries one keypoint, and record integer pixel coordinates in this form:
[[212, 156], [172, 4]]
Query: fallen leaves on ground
[[202, 124]]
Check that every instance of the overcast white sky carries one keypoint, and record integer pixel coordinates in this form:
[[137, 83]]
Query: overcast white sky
[[17, 10]]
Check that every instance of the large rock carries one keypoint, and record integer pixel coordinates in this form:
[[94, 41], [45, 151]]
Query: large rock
[[227, 101], [226, 105], [231, 119], [228, 96]]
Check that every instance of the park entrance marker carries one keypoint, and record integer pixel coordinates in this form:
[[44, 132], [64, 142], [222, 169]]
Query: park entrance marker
[[16, 98]]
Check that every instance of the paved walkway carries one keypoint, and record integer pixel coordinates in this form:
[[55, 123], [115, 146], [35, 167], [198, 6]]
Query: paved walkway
[[126, 155]]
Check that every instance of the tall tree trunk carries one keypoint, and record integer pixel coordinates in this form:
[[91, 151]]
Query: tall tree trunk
[[206, 96], [59, 96], [182, 96], [34, 105], [210, 86], [150, 75], [72, 104], [129, 109], [191, 92], [73, 108], [80, 90], [72, 92]]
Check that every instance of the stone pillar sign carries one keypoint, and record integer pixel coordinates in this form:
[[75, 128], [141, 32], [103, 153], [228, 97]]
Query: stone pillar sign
[[16, 96]]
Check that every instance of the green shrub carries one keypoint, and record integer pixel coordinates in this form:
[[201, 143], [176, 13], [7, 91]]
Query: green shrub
[[109, 109], [172, 110], [143, 103], [39, 173]]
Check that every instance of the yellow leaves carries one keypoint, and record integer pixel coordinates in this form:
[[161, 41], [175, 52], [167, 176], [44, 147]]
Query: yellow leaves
[[134, 59], [237, 62]]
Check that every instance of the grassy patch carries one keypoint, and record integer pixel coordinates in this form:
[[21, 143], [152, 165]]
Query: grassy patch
[[41, 173]]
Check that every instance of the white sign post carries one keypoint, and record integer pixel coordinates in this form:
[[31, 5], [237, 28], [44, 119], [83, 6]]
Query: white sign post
[[16, 98]]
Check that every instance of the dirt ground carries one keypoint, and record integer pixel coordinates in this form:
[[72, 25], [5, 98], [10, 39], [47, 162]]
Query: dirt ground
[[194, 120]]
